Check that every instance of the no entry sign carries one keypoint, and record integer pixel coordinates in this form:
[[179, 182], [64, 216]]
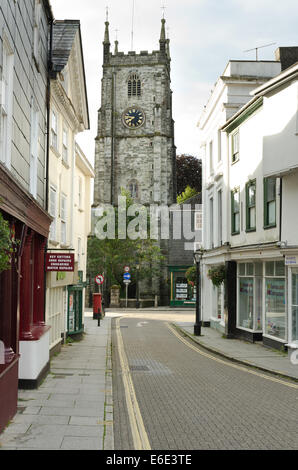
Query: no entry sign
[[60, 262]]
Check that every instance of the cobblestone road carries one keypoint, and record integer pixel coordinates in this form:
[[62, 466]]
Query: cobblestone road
[[190, 401]]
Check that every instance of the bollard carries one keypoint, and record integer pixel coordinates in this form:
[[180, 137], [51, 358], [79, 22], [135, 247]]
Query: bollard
[[98, 318]]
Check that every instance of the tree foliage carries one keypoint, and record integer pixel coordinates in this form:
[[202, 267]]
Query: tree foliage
[[189, 173], [109, 256], [6, 247], [188, 193]]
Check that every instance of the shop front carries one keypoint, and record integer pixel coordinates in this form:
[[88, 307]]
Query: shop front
[[183, 294], [23, 332], [291, 261], [261, 302]]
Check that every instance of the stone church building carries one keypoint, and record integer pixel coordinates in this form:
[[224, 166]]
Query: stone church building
[[134, 146]]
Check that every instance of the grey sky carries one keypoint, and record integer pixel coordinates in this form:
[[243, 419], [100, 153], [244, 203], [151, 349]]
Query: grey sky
[[204, 35]]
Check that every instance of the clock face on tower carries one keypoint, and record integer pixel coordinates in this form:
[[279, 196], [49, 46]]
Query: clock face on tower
[[133, 117]]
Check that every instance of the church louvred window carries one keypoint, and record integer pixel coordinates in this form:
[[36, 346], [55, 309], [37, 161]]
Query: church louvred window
[[134, 85]]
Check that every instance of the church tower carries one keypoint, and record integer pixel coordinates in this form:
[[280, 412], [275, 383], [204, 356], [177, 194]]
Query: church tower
[[134, 147], [135, 140]]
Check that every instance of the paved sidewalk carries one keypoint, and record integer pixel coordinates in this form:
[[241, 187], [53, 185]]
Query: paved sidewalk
[[72, 409], [253, 354]]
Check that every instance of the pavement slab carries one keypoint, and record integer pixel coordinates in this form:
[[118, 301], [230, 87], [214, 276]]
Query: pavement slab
[[68, 409]]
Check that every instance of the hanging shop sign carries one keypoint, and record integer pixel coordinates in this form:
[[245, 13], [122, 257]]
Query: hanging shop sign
[[60, 262]]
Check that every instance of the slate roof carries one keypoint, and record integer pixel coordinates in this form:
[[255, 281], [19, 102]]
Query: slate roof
[[64, 33]]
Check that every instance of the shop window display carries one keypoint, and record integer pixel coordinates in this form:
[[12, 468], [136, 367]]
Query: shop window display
[[250, 296], [294, 304], [275, 304]]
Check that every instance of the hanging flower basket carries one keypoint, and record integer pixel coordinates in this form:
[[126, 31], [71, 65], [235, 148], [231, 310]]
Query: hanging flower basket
[[217, 274], [191, 275]]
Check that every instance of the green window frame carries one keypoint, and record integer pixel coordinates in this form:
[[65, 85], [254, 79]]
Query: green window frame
[[250, 191], [269, 202], [235, 146], [235, 211]]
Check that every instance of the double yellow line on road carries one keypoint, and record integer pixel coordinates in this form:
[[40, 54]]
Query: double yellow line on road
[[229, 364], [139, 435]]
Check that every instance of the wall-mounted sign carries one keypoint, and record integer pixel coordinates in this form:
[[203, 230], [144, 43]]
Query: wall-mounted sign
[[60, 262], [291, 260]]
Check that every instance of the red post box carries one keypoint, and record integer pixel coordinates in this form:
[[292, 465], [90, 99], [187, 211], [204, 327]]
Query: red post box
[[97, 306]]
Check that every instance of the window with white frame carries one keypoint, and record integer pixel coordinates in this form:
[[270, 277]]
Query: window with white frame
[[34, 149], [250, 296], [235, 146], [53, 212], [198, 220], [63, 217], [65, 146], [6, 103], [275, 299], [219, 146], [36, 33], [80, 193], [235, 211], [211, 157], [211, 227], [54, 131], [219, 217]]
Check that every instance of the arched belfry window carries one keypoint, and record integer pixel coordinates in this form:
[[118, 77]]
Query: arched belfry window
[[133, 188], [134, 85]]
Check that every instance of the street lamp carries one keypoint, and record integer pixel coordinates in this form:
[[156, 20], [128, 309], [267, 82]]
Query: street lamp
[[137, 286], [197, 326]]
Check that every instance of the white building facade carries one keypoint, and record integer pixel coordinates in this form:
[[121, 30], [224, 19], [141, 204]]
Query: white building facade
[[69, 174], [230, 93], [259, 250]]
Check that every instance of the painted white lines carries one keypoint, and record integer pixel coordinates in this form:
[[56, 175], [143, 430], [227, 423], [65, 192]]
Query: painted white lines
[[140, 438], [230, 364], [142, 323]]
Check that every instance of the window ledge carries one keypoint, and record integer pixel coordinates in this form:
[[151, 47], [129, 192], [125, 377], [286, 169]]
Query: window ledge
[[248, 230], [55, 151], [268, 227], [53, 242], [65, 164]]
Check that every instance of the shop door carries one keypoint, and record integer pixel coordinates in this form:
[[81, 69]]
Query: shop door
[[294, 307]]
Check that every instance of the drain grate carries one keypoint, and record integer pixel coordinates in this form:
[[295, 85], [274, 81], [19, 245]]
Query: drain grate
[[139, 368], [123, 326]]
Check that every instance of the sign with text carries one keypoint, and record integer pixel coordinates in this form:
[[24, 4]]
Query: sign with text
[[60, 262], [291, 260]]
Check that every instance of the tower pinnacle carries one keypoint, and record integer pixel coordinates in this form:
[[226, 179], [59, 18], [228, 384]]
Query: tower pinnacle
[[106, 44], [163, 39]]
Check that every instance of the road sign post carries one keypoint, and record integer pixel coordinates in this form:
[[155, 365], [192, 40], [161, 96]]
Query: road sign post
[[126, 282]]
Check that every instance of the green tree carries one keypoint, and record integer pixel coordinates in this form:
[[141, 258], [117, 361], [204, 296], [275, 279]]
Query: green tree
[[189, 173], [187, 194], [109, 256]]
